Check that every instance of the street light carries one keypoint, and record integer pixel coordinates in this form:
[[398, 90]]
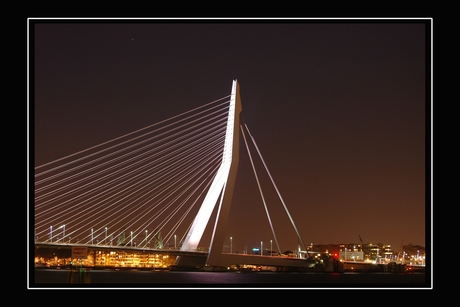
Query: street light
[[51, 234], [106, 236], [131, 239], [174, 242], [261, 247], [92, 236], [271, 248], [231, 245]]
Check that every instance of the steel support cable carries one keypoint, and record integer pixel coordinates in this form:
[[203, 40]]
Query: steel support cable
[[104, 192], [193, 127], [134, 219], [176, 157], [120, 137], [97, 208], [86, 194], [128, 147], [182, 218], [119, 186], [95, 222], [139, 169], [165, 220], [203, 162], [125, 182], [163, 223], [113, 173], [213, 125], [125, 197], [260, 189], [185, 214], [218, 142], [274, 185], [191, 171], [137, 144]]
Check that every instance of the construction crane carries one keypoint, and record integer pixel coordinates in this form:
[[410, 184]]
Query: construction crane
[[400, 249], [362, 246]]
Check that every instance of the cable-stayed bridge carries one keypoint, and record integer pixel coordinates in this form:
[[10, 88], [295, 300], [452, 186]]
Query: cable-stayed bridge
[[154, 186]]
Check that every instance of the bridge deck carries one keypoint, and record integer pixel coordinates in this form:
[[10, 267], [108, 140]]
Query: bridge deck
[[173, 252], [227, 259]]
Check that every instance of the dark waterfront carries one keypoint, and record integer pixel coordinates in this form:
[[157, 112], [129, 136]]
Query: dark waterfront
[[114, 278]]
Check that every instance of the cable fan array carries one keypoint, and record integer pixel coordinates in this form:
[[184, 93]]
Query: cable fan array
[[136, 190]]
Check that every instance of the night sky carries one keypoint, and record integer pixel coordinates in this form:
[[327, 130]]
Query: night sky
[[337, 110]]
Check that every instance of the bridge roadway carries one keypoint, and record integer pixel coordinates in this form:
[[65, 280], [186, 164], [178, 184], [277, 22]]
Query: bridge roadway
[[196, 258]]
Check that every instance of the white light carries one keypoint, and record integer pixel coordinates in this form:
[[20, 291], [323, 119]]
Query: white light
[[220, 180]]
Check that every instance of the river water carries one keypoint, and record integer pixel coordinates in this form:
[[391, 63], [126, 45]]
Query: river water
[[180, 279]]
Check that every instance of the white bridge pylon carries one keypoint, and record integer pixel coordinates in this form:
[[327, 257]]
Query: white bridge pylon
[[221, 189]]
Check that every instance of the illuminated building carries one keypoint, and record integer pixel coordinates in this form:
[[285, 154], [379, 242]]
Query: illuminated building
[[414, 254], [351, 255], [138, 259], [369, 251], [373, 252], [105, 258]]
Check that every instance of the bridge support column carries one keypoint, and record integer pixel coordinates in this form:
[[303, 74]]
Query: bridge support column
[[217, 241], [221, 189]]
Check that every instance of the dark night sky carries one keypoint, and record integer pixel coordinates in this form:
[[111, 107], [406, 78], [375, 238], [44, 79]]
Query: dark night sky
[[338, 111]]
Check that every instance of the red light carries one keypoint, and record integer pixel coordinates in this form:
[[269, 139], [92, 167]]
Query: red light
[[336, 255]]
